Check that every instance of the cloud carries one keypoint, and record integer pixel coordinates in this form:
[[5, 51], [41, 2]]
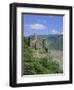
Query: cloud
[[54, 31], [37, 26]]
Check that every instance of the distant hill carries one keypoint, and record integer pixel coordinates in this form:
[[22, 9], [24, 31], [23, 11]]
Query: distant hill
[[54, 41]]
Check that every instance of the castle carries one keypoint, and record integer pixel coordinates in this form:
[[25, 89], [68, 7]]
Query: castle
[[38, 44]]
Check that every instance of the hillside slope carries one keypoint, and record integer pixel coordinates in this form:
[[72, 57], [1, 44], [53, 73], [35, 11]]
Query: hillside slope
[[54, 41]]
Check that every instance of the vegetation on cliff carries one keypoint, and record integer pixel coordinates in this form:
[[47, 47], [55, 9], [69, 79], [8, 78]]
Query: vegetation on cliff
[[38, 65]]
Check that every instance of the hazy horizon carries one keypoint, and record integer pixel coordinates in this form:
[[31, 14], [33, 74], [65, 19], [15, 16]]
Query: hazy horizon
[[43, 35]]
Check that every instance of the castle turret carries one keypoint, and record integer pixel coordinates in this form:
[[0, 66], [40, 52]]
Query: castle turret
[[32, 40]]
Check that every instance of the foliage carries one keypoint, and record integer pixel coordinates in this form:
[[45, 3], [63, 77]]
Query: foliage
[[38, 65]]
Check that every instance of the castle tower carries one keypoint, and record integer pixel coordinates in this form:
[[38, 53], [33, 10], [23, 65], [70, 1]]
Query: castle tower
[[35, 36], [32, 40], [45, 45]]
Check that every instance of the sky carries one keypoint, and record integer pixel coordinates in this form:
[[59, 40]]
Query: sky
[[42, 24]]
